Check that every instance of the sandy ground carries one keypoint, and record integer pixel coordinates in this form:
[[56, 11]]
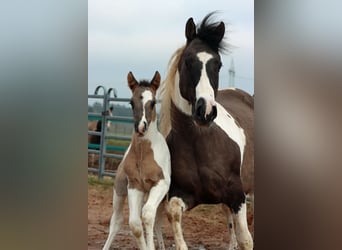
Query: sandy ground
[[204, 227]]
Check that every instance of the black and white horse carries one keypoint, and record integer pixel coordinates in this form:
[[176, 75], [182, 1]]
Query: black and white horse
[[209, 133]]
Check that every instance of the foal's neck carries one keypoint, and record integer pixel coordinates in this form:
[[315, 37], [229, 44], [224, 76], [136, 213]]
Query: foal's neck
[[150, 134]]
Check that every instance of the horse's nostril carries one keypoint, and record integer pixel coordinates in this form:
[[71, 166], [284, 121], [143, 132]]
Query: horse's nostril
[[214, 111], [200, 107], [198, 111], [145, 126]]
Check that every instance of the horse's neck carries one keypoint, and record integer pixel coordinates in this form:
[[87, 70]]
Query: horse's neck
[[180, 120], [152, 131]]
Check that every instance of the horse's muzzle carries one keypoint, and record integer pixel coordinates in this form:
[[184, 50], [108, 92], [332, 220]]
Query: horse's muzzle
[[204, 113]]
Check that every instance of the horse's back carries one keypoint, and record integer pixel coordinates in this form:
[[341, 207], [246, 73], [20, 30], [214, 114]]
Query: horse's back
[[241, 106]]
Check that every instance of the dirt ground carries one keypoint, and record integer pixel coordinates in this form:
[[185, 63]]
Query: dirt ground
[[204, 227]]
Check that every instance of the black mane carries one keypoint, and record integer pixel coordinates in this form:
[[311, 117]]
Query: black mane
[[206, 33]]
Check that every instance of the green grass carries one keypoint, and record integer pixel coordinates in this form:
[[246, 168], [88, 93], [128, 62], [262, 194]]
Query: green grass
[[116, 142], [106, 182]]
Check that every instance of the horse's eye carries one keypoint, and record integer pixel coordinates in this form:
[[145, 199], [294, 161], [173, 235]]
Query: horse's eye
[[188, 63], [131, 103]]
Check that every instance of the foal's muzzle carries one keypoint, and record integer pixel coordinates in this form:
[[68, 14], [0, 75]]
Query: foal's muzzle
[[204, 112], [140, 128]]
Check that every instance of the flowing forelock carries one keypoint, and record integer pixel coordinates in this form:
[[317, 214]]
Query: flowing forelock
[[206, 33]]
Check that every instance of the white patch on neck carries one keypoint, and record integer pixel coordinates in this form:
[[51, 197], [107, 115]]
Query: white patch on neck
[[227, 123], [182, 104], [203, 88]]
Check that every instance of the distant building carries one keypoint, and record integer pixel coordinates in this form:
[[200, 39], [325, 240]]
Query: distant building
[[231, 83]]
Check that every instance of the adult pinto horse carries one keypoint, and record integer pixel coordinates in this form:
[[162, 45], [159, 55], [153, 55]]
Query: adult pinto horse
[[209, 133]]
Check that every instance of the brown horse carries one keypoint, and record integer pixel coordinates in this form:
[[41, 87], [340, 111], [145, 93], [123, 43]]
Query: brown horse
[[144, 170], [209, 133], [96, 126]]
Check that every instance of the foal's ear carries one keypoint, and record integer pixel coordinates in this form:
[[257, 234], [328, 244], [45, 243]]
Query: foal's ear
[[219, 31], [155, 81], [132, 83], [190, 30]]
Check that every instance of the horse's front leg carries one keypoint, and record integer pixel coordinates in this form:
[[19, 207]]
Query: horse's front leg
[[243, 235], [175, 209], [135, 201], [158, 225], [233, 245], [156, 195], [116, 220]]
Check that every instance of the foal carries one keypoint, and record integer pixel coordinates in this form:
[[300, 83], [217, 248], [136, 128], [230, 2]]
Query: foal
[[146, 168]]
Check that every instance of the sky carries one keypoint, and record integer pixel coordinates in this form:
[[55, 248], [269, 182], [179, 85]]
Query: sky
[[141, 36]]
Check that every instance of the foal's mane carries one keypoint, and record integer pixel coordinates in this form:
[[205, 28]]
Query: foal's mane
[[144, 83]]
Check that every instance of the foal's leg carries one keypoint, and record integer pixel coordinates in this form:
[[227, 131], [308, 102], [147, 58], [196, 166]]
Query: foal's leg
[[158, 225], [243, 235], [175, 209], [233, 245], [116, 220], [156, 195], [135, 201]]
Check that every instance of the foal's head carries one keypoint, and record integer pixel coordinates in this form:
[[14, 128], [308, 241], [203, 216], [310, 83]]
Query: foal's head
[[199, 68], [143, 101]]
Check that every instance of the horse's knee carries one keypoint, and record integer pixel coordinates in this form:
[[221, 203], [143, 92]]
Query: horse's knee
[[175, 208], [136, 228], [148, 215]]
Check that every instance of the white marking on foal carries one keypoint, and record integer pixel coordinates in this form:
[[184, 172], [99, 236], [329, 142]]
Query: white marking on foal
[[203, 88], [228, 124], [135, 201], [146, 96], [160, 150]]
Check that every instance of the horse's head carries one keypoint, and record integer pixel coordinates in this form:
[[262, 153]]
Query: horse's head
[[143, 101], [110, 113], [198, 70]]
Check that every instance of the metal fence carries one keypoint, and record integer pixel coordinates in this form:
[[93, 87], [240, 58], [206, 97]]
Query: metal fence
[[104, 116]]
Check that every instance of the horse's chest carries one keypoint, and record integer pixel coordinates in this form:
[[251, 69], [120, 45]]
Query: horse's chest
[[199, 156], [141, 169]]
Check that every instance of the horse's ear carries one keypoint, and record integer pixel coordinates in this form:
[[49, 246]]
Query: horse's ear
[[190, 30], [155, 80], [220, 31], [132, 83]]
